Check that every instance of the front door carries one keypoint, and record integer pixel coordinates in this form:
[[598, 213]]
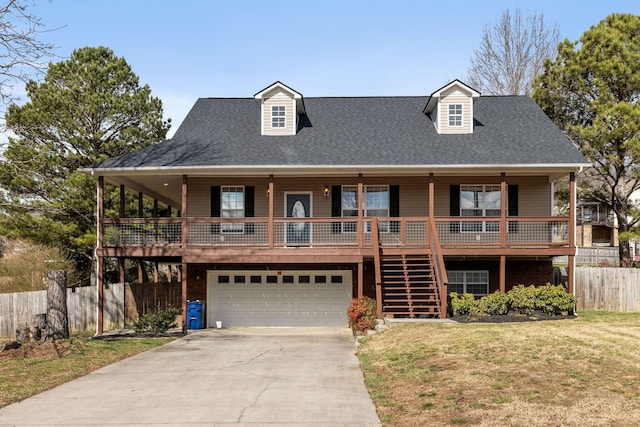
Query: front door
[[298, 205]]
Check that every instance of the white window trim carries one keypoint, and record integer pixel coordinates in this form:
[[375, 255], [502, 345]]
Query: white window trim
[[484, 211], [455, 115], [465, 281], [384, 225], [232, 228], [281, 116]]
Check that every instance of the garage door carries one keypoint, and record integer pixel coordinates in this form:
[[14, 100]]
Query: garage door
[[278, 298]]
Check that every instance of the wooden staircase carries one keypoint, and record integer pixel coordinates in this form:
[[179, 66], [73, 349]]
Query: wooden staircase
[[409, 284]]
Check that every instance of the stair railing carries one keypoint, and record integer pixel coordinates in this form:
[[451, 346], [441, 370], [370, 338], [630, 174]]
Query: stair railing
[[375, 241], [441, 272]]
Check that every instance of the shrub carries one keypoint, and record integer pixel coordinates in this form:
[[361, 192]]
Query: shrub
[[464, 304], [158, 322], [494, 304], [523, 299], [362, 314], [554, 300]]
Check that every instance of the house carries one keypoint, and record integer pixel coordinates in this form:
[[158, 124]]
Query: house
[[596, 225], [281, 209]]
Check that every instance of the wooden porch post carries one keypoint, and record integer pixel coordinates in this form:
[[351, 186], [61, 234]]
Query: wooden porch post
[[140, 271], [270, 224], [360, 279], [503, 211], [100, 258], [572, 233], [432, 202], [185, 238], [503, 231], [360, 213], [503, 273], [156, 275], [121, 267], [123, 196]]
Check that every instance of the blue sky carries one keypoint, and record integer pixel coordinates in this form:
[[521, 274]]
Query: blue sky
[[186, 49]]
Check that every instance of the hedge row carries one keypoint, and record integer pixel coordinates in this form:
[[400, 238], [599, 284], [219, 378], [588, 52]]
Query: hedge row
[[550, 299]]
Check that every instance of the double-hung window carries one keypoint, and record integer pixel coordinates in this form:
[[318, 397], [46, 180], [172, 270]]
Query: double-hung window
[[278, 116], [480, 201], [232, 206], [349, 207], [375, 202], [468, 282], [455, 115]]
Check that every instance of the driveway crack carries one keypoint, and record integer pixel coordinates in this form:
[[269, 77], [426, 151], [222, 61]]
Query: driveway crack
[[245, 362], [255, 401]]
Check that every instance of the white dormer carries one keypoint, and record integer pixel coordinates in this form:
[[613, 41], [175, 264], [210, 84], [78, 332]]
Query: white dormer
[[280, 108], [451, 108]]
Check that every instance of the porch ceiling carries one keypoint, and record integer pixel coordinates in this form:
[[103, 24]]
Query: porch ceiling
[[165, 184]]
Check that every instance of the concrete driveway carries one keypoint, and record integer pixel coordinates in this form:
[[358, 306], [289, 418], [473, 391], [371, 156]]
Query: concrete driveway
[[248, 377]]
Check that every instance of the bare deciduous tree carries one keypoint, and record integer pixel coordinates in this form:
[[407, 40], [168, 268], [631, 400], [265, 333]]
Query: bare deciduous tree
[[512, 53], [22, 53]]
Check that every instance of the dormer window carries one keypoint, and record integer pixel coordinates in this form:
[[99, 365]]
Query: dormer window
[[278, 114], [451, 108], [280, 110], [455, 115]]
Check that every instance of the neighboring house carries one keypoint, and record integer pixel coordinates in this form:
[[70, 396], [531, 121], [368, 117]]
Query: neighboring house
[[289, 207], [596, 225]]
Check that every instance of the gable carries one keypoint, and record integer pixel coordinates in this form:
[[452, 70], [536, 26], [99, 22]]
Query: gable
[[451, 108], [280, 108]]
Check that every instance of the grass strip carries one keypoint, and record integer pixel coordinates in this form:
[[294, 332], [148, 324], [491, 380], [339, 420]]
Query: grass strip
[[41, 366]]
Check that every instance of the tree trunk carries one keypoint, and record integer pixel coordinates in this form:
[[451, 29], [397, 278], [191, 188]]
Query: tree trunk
[[624, 252], [57, 321]]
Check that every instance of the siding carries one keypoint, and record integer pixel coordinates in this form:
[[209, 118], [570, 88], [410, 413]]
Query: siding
[[467, 119], [534, 193], [279, 97]]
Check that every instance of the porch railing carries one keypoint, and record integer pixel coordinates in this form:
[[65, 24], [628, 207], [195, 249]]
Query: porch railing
[[336, 232]]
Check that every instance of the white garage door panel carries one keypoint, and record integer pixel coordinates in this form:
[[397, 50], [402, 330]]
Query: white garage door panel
[[278, 304]]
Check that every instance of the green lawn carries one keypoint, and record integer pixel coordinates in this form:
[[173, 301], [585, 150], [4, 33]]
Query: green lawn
[[38, 367], [573, 372]]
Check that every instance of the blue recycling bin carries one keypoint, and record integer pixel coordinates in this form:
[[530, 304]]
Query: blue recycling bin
[[195, 314]]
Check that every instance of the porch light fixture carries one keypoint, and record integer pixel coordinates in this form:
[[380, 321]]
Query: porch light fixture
[[326, 192], [166, 184], [267, 192]]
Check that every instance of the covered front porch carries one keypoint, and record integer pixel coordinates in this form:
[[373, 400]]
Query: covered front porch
[[353, 239]]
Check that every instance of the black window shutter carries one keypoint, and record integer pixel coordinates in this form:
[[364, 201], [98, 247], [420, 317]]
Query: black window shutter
[[394, 207], [249, 208], [215, 208], [512, 202], [336, 207], [454, 207]]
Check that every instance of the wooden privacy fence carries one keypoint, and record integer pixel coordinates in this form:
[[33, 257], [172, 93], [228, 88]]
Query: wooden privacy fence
[[608, 289], [17, 309], [123, 304], [598, 256]]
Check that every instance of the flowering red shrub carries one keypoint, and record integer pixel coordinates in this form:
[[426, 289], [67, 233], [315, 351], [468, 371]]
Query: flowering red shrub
[[362, 315]]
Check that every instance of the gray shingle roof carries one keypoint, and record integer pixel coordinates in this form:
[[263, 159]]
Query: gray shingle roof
[[359, 131]]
